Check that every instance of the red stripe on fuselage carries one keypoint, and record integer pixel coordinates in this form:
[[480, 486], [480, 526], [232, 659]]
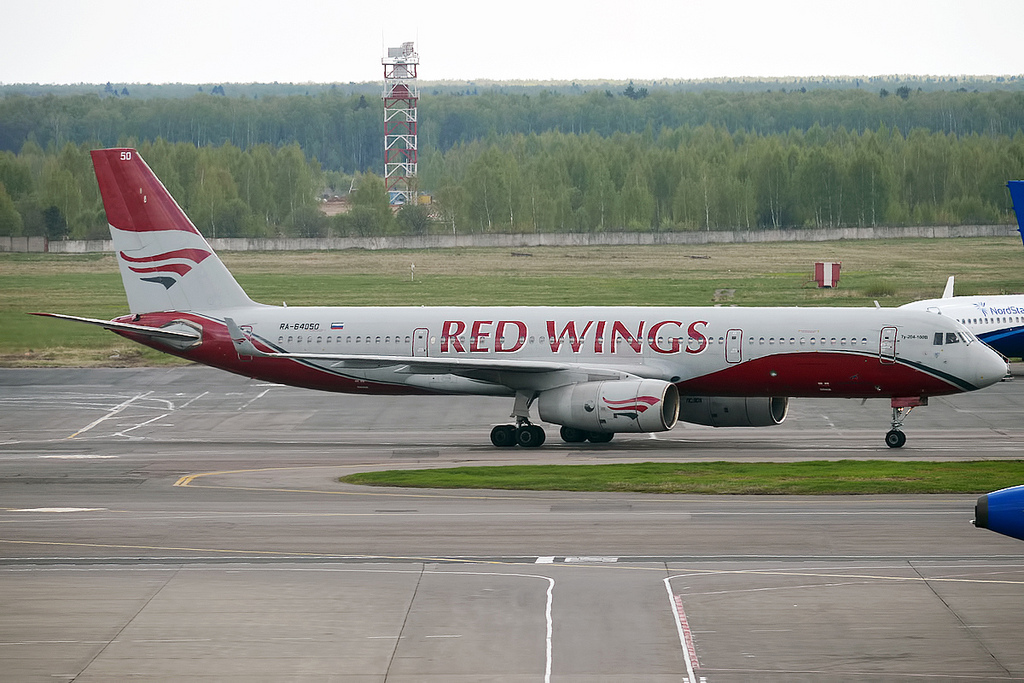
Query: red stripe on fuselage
[[218, 351], [822, 373]]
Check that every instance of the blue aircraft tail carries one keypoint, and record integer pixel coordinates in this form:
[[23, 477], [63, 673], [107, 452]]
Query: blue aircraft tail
[[1017, 195]]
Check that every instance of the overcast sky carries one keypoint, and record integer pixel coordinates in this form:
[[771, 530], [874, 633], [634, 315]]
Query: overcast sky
[[232, 41]]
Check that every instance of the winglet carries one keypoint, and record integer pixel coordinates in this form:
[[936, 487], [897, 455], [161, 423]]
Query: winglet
[[947, 293], [1017, 195], [243, 345]]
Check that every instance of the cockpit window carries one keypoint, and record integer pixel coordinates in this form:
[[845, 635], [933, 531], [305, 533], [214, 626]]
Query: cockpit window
[[949, 338]]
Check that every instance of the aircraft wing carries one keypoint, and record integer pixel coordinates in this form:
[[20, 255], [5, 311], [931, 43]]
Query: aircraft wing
[[178, 334], [476, 368]]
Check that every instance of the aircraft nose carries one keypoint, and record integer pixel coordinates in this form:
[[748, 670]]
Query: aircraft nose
[[990, 366]]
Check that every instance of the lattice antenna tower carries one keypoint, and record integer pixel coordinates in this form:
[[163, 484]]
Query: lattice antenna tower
[[401, 96]]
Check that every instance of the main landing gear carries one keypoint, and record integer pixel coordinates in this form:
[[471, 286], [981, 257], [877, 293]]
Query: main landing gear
[[524, 433], [531, 436], [901, 407]]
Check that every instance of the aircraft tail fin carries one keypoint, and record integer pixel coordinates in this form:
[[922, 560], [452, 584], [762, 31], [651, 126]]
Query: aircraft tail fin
[[166, 264], [947, 293], [1017, 195]]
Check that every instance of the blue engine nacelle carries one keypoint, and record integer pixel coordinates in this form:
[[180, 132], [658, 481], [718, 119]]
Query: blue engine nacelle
[[1002, 511]]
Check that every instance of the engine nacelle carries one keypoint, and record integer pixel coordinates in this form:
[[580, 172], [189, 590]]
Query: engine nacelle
[[1002, 511], [744, 411], [643, 405]]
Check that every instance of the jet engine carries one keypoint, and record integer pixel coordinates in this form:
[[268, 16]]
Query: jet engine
[[642, 405], [718, 411], [1002, 511]]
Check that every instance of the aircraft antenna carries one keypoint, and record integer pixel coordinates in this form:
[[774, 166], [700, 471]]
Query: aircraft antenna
[[401, 95]]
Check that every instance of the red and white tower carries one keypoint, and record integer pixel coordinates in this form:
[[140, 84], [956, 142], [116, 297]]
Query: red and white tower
[[400, 98]]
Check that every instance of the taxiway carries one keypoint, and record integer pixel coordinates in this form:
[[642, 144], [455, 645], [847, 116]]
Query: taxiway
[[183, 523]]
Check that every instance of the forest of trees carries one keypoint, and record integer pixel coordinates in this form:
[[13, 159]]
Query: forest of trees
[[595, 161]]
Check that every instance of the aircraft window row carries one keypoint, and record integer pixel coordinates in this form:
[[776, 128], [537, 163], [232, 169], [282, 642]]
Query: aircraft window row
[[998, 320], [803, 341], [348, 340]]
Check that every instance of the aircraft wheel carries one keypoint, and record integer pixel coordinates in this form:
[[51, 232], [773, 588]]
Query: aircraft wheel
[[894, 438], [600, 437], [530, 436], [572, 435], [503, 436]]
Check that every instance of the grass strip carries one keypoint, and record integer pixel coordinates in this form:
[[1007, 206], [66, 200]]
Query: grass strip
[[819, 477]]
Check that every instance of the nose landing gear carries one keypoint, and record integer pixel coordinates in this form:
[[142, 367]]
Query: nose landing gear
[[901, 407]]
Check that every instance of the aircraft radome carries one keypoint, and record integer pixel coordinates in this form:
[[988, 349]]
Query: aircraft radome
[[595, 371]]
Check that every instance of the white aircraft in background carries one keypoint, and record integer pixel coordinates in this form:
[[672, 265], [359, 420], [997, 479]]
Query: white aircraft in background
[[998, 319], [595, 371]]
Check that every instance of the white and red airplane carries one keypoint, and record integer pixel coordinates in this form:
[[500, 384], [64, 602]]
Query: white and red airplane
[[593, 370]]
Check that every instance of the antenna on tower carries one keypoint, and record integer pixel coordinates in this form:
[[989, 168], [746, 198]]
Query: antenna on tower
[[401, 96]]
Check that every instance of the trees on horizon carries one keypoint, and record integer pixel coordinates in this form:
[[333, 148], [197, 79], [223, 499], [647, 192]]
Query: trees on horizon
[[597, 161]]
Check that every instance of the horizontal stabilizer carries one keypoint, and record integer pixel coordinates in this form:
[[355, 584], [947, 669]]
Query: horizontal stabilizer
[[152, 332]]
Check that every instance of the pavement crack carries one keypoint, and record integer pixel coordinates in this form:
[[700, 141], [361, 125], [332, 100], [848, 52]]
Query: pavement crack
[[126, 625], [405, 621], [967, 629]]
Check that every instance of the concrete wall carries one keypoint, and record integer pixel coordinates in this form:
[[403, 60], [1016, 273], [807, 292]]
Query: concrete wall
[[23, 244], [542, 239]]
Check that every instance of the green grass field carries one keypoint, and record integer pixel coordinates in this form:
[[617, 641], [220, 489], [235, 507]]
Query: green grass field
[[890, 271], [841, 477]]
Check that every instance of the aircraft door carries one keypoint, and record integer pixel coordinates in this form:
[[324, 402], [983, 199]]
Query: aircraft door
[[734, 346], [419, 342], [887, 345]]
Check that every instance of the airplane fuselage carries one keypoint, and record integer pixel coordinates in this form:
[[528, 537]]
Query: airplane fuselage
[[857, 353], [997, 320]]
